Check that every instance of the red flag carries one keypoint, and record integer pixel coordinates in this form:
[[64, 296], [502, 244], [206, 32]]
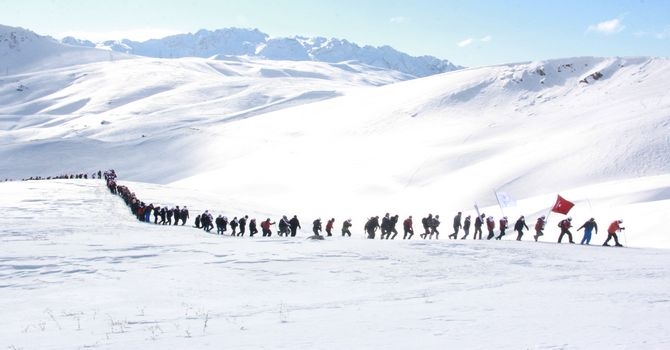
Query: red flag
[[562, 205]]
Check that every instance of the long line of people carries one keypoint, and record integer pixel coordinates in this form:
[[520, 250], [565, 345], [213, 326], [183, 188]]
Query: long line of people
[[387, 227]]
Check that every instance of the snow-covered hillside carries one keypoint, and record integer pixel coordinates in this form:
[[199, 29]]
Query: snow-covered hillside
[[78, 272], [245, 130], [252, 42], [22, 50]]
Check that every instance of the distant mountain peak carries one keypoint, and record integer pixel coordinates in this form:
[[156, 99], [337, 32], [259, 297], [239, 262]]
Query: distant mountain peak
[[253, 42]]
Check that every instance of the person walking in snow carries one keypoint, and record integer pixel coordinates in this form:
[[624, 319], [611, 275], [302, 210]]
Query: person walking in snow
[[503, 227], [295, 225], [425, 222], [385, 226], [589, 226], [177, 215], [371, 226], [539, 227], [565, 225], [219, 224], [518, 227], [265, 226], [615, 227], [233, 226], [184, 217], [434, 224], [252, 227], [316, 226], [284, 227], [457, 226], [466, 227], [479, 222], [329, 227], [243, 224], [392, 229], [490, 226], [345, 227], [408, 228]]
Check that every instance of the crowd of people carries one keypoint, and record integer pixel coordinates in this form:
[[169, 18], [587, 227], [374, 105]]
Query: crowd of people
[[387, 227], [61, 176]]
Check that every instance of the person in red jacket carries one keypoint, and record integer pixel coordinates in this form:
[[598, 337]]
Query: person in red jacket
[[490, 225], [329, 226], [503, 227], [611, 232], [407, 227], [265, 226], [565, 225]]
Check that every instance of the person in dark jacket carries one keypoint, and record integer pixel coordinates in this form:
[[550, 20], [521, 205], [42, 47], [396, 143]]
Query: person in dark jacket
[[197, 221], [233, 226], [371, 226], [252, 228], [479, 222], [177, 215], [518, 227], [284, 227], [316, 227], [243, 224], [457, 226], [565, 225], [184, 216], [219, 224], [385, 227], [425, 222], [466, 227], [434, 224], [345, 227], [392, 229], [295, 225], [588, 227]]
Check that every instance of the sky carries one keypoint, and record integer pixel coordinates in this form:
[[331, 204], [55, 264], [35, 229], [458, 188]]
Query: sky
[[468, 33]]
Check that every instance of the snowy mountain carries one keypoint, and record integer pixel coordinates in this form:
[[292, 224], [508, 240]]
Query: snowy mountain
[[253, 43], [264, 138], [291, 134], [22, 50]]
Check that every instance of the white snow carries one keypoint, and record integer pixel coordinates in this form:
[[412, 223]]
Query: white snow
[[78, 272], [238, 135]]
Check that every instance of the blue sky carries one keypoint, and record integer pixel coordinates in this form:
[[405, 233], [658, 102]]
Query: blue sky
[[470, 33]]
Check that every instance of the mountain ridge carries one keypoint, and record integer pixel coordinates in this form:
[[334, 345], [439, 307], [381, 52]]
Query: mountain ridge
[[254, 43]]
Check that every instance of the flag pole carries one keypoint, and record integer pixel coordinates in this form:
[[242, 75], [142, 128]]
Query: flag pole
[[495, 194]]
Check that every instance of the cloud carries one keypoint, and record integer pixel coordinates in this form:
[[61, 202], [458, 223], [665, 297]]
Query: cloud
[[399, 19], [611, 26], [664, 34], [131, 34], [468, 41]]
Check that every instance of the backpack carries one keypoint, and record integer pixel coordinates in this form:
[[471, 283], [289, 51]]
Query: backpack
[[560, 224], [424, 222]]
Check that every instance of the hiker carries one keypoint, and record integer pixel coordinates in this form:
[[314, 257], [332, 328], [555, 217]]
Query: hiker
[[518, 227], [615, 227], [589, 227], [565, 225]]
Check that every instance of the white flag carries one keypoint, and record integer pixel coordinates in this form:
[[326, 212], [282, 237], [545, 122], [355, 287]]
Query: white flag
[[505, 200]]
